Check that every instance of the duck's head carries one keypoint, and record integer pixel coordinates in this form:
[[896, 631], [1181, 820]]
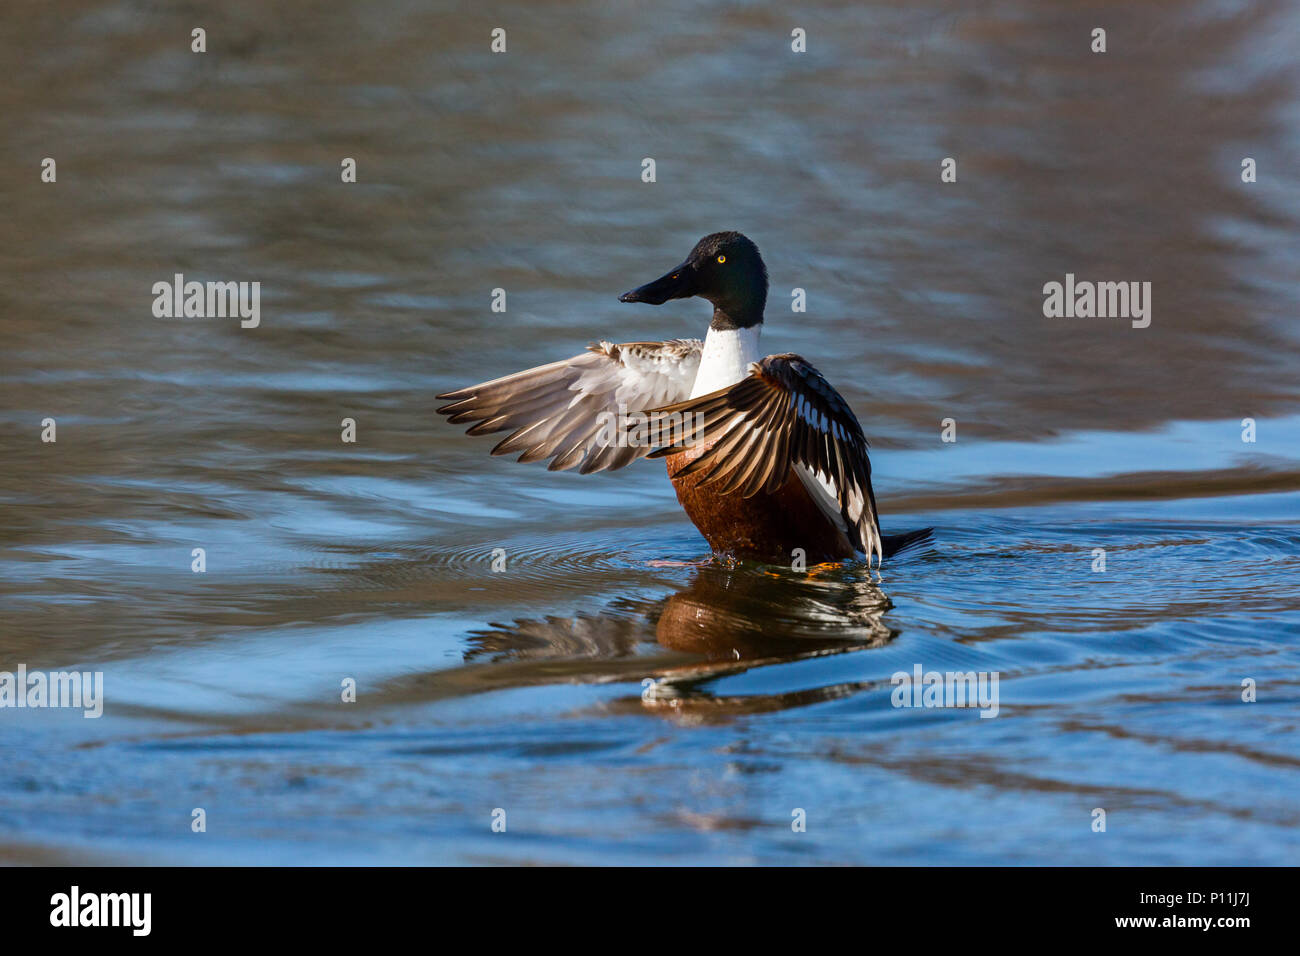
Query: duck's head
[[724, 268]]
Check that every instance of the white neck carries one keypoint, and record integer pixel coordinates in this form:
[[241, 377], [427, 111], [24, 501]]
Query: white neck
[[725, 359]]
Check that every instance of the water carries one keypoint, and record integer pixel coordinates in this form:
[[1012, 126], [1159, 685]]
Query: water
[[523, 690]]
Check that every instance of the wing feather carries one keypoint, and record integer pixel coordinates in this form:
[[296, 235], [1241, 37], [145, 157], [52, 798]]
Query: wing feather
[[560, 410], [784, 415]]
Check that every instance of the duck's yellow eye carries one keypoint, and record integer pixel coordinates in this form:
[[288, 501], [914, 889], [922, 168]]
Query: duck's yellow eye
[[721, 259]]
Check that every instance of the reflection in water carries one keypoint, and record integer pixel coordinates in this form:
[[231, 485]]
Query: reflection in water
[[734, 617], [751, 615]]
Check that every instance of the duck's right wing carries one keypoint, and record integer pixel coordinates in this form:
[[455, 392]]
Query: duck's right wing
[[567, 411]]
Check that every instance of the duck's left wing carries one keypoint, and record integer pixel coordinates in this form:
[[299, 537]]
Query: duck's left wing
[[577, 411], [784, 415]]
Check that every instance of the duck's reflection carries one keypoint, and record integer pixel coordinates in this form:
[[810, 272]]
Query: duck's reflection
[[727, 620], [742, 614]]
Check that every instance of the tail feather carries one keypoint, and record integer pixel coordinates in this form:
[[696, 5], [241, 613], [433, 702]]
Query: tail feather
[[894, 543]]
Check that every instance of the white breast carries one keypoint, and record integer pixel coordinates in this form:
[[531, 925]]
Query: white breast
[[726, 358]]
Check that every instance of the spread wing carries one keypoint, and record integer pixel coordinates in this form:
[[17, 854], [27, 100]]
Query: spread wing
[[564, 411], [784, 415]]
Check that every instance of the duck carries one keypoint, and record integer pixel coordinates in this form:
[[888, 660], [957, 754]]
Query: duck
[[767, 459]]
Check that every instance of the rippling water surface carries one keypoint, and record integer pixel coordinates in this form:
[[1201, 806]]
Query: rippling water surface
[[525, 689]]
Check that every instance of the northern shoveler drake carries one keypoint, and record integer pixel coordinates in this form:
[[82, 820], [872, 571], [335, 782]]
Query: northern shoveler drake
[[766, 457]]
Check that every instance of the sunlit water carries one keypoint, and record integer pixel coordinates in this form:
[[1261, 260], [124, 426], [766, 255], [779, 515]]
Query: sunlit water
[[523, 689]]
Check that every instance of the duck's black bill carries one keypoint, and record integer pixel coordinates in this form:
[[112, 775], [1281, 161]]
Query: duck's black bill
[[673, 285]]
